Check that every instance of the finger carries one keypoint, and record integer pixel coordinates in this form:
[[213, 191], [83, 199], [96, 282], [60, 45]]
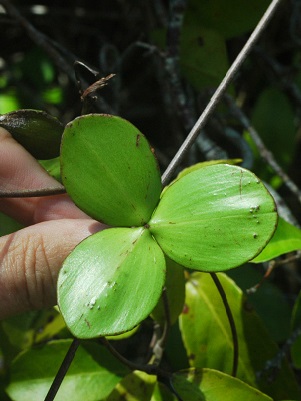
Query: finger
[[19, 170], [30, 260]]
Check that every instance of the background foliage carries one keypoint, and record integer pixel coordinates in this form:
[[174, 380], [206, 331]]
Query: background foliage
[[165, 76]]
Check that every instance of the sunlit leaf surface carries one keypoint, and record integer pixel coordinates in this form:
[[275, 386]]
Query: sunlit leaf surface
[[109, 170], [92, 375], [287, 238], [208, 340], [111, 282], [212, 385], [215, 218]]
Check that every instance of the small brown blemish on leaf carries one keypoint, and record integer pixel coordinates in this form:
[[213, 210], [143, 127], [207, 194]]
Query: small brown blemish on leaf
[[137, 140], [88, 323], [185, 309], [125, 253]]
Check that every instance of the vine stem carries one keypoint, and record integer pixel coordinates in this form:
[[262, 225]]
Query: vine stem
[[231, 322], [56, 384], [31, 193], [218, 94], [150, 369]]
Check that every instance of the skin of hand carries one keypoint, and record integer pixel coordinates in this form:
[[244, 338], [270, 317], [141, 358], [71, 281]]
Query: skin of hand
[[30, 259]]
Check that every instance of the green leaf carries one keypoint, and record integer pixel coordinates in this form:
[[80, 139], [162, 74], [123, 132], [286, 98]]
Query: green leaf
[[287, 238], [109, 170], [23, 331], [162, 393], [207, 163], [111, 282], [175, 293], [52, 166], [215, 218], [8, 101], [124, 336], [52, 328], [228, 17], [205, 326], [137, 386], [8, 225], [53, 95], [203, 55], [20, 329], [36, 130], [273, 102], [178, 360], [211, 385], [87, 379], [208, 339], [269, 301]]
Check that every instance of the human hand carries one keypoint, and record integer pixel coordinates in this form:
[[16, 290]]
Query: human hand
[[30, 259]]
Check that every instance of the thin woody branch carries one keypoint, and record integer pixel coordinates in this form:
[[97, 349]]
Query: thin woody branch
[[219, 93]]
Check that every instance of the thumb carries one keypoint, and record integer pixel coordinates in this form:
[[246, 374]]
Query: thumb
[[30, 260]]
